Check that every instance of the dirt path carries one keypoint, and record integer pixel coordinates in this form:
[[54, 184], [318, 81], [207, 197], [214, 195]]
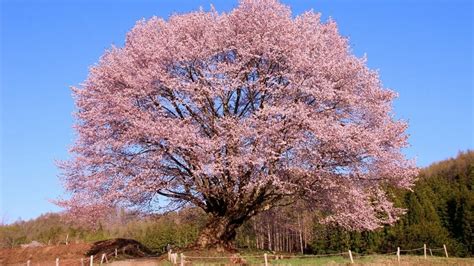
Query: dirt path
[[141, 262]]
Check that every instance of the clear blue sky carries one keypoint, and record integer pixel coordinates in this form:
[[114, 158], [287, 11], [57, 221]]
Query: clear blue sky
[[423, 49]]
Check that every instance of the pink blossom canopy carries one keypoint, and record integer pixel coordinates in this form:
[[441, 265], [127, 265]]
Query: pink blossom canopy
[[237, 112]]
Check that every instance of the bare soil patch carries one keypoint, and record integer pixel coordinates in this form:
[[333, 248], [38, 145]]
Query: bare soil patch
[[44, 255], [73, 253]]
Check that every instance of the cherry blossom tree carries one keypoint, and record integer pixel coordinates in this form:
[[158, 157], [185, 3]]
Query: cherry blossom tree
[[236, 113]]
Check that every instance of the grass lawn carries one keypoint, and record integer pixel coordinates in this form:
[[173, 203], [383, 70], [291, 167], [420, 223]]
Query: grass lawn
[[336, 260]]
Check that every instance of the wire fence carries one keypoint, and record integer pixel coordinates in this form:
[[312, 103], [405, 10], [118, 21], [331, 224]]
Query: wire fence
[[266, 259], [238, 259]]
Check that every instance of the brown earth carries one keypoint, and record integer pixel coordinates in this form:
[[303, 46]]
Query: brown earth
[[73, 253], [68, 255]]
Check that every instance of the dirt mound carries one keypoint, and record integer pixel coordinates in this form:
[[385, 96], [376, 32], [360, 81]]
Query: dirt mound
[[45, 255], [124, 248]]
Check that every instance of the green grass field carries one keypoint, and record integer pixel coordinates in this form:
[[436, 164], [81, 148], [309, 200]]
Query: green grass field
[[339, 260]]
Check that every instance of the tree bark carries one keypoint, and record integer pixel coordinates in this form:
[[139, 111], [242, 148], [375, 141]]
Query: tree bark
[[219, 233]]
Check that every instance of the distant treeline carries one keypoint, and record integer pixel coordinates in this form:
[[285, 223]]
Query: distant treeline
[[440, 210]]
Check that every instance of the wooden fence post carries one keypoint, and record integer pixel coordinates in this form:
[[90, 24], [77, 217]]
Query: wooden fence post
[[92, 260], [116, 253], [28, 263], [445, 251], [431, 253], [398, 254], [350, 256], [104, 258], [82, 261], [174, 258], [266, 259], [57, 261], [182, 259], [424, 250]]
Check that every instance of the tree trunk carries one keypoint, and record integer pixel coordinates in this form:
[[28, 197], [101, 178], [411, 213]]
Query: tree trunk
[[269, 238], [219, 233], [257, 246], [300, 229]]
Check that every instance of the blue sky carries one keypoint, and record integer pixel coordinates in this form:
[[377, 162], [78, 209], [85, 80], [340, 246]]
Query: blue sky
[[423, 50]]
